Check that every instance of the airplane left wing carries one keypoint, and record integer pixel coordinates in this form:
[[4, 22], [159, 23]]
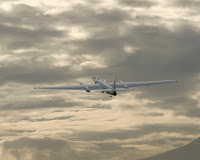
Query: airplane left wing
[[80, 87]]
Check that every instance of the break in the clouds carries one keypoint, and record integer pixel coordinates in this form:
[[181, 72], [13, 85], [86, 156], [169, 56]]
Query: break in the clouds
[[67, 42]]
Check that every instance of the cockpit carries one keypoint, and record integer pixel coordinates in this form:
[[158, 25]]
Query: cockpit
[[93, 78], [97, 78]]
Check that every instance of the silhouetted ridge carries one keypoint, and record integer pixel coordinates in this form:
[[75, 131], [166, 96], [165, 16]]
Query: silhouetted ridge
[[190, 151], [196, 141]]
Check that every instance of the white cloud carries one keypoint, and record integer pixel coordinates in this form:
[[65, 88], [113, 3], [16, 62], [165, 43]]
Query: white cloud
[[78, 33], [129, 49]]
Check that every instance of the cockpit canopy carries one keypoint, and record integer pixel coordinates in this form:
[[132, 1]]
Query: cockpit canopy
[[96, 78], [93, 78]]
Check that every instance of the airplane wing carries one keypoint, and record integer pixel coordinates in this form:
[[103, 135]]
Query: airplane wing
[[122, 86], [79, 87], [139, 84]]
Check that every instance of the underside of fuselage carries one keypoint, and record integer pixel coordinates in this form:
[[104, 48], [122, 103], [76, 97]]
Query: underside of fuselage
[[112, 93]]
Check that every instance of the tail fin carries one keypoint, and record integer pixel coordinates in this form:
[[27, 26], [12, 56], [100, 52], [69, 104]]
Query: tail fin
[[114, 82]]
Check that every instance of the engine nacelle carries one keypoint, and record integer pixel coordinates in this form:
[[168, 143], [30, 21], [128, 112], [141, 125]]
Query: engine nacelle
[[114, 93], [86, 87]]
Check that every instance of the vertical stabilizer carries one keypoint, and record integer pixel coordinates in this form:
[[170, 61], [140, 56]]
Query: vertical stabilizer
[[114, 81]]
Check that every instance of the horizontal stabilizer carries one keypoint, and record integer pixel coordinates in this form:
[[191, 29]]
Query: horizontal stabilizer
[[110, 90], [104, 90]]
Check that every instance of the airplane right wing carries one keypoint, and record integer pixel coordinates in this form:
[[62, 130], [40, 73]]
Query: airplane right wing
[[140, 84]]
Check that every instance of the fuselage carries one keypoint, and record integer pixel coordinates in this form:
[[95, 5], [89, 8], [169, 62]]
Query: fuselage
[[105, 85]]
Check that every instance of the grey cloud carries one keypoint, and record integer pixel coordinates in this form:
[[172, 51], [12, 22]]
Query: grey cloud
[[187, 3], [16, 37], [34, 103], [160, 50], [21, 131], [47, 119], [85, 16], [15, 133], [58, 111], [182, 106], [155, 114], [49, 148], [136, 133], [23, 15], [155, 128], [42, 37], [161, 54], [26, 27], [44, 148], [138, 3], [31, 71], [100, 106]]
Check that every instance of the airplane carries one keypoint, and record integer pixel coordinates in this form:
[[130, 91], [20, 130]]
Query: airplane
[[103, 86]]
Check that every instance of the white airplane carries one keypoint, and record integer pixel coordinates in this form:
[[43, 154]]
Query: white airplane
[[103, 86]]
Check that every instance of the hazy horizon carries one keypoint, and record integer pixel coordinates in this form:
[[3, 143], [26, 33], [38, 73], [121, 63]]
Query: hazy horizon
[[57, 43]]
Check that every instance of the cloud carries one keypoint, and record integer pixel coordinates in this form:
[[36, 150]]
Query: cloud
[[34, 103], [187, 3], [43, 148], [138, 3], [65, 43]]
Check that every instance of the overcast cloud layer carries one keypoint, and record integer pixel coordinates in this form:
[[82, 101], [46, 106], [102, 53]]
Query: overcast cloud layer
[[66, 42]]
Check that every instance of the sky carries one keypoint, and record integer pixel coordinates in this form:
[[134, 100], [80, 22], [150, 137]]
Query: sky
[[60, 43]]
